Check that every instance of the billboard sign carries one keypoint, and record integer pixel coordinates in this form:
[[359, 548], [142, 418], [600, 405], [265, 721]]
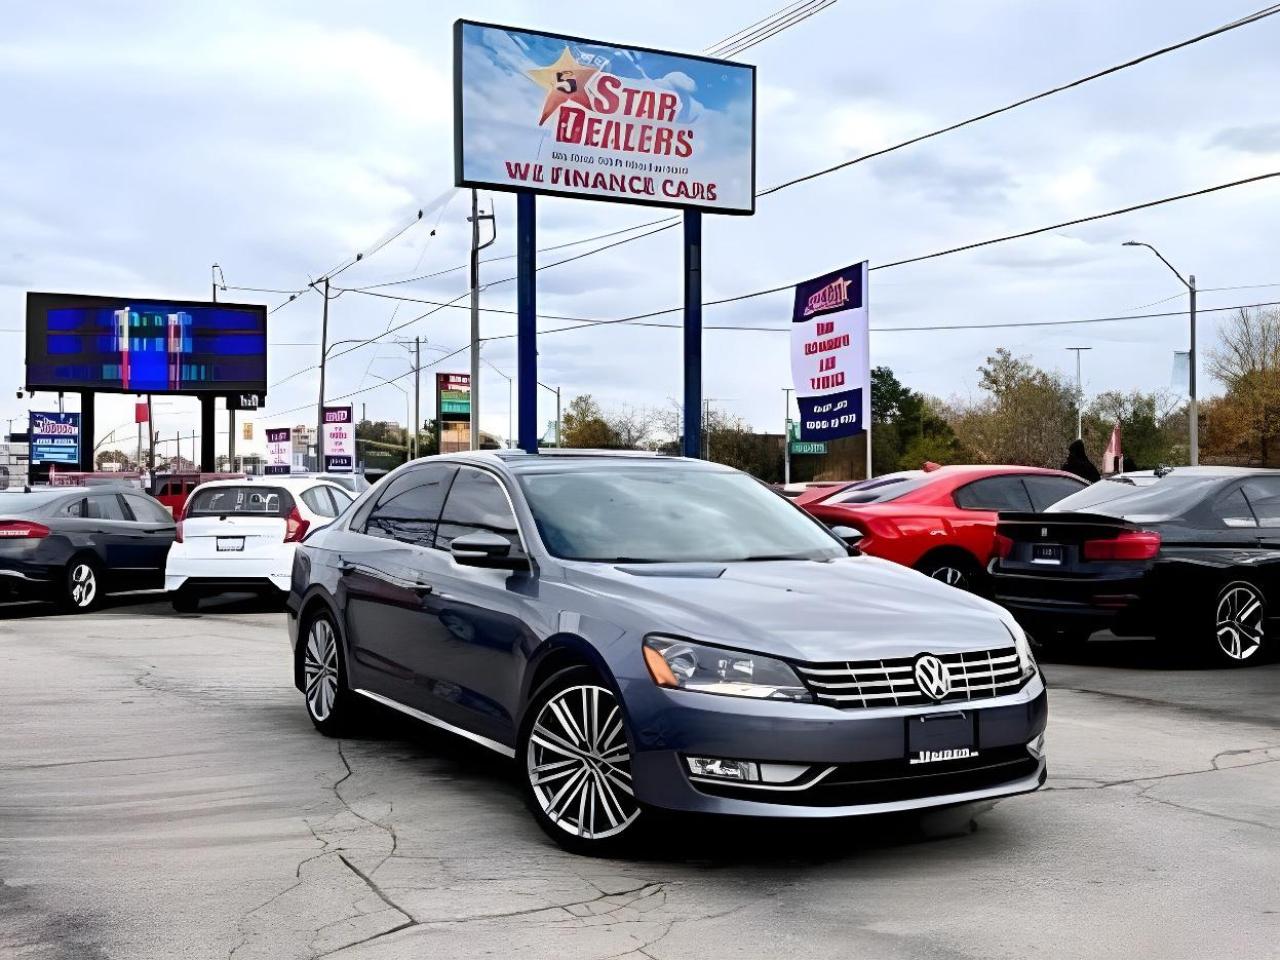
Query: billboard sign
[[129, 345], [339, 440], [244, 401], [279, 450], [453, 396], [580, 118], [55, 438], [830, 347]]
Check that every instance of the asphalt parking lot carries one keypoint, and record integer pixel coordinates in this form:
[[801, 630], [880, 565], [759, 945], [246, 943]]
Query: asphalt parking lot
[[162, 795]]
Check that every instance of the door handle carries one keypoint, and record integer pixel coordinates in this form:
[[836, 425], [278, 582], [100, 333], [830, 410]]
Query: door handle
[[417, 586]]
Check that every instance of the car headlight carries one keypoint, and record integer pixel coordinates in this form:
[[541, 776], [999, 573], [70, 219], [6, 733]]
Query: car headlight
[[1021, 646], [684, 665]]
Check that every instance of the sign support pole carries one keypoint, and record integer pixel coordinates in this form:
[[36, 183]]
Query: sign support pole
[[87, 429], [208, 435], [692, 333], [526, 321]]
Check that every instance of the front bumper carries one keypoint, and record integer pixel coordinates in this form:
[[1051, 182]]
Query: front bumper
[[858, 758]]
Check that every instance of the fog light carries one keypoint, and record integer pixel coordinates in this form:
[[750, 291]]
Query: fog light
[[741, 770]]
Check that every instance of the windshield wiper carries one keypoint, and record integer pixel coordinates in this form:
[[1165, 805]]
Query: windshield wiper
[[775, 556]]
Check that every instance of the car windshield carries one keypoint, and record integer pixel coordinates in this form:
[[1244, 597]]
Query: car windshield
[[1170, 497], [670, 515]]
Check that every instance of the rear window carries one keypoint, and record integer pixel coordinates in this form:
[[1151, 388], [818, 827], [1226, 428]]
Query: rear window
[[1162, 500], [246, 501], [880, 490]]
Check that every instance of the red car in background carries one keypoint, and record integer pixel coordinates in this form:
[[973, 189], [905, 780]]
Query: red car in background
[[941, 521]]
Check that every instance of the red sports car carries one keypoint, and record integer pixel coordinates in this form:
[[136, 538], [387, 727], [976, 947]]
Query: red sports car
[[941, 521]]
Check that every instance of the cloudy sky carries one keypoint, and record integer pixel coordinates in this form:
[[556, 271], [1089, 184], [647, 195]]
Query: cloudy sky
[[147, 140]]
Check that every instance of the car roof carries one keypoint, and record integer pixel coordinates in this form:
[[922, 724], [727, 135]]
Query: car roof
[[572, 461], [286, 481]]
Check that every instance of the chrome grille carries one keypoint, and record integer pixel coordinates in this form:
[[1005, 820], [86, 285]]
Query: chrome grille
[[975, 675]]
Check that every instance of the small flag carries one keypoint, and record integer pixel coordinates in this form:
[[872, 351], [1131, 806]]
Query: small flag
[[1181, 379], [1113, 459]]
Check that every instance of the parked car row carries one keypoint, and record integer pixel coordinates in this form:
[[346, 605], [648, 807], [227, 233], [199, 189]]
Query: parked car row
[[1187, 554], [74, 545]]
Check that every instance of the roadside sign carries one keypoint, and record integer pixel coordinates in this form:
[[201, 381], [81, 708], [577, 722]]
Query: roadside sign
[[55, 438], [807, 446]]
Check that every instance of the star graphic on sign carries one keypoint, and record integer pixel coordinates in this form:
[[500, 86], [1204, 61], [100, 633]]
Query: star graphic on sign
[[565, 82]]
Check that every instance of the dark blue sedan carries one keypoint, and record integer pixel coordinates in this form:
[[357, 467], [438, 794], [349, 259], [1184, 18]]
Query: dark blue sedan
[[646, 632]]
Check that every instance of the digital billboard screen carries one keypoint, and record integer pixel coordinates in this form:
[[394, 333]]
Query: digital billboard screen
[[132, 345]]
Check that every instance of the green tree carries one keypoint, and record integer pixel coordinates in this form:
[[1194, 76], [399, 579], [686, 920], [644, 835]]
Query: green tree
[[905, 424], [1147, 427], [1028, 415], [584, 425]]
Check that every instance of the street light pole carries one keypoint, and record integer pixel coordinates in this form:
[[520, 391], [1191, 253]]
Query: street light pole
[[417, 395], [1079, 394], [1193, 412]]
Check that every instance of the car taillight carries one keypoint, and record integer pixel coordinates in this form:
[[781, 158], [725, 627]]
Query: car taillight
[[1003, 546], [22, 530], [1126, 545], [177, 530], [295, 528]]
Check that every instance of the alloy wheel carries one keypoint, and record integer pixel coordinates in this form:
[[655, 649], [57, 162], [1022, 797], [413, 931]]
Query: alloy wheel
[[951, 576], [1240, 621], [579, 763], [84, 585], [320, 669]]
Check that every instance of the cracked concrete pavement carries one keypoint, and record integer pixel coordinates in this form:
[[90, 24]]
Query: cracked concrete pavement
[[163, 795]]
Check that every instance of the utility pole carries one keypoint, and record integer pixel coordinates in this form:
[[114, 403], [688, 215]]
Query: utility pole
[[476, 246], [786, 435], [151, 445], [1079, 394], [324, 350], [417, 396], [557, 418], [214, 272]]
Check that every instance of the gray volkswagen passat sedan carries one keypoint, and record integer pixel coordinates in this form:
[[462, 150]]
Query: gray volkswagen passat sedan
[[644, 632]]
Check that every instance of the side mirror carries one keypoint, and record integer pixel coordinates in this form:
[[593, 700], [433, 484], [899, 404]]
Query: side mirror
[[485, 549], [851, 537]]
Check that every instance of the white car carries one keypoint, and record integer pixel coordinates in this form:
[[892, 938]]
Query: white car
[[240, 535]]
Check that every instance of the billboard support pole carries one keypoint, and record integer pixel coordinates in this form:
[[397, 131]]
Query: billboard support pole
[[692, 333], [151, 446], [87, 428], [208, 435], [526, 321], [231, 438]]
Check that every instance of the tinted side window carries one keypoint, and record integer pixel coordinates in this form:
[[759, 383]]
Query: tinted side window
[[147, 511], [72, 508], [1264, 497], [1046, 491], [477, 502], [994, 493], [1232, 510], [341, 499], [318, 502], [103, 506], [410, 506]]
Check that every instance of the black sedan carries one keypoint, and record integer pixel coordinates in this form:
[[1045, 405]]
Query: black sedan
[[72, 545], [1193, 558]]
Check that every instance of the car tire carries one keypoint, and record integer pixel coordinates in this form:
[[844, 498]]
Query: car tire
[[184, 601], [574, 759], [1239, 625], [332, 706], [81, 585], [954, 570]]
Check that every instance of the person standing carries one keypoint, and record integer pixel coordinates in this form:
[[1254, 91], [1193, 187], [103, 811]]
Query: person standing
[[1078, 462]]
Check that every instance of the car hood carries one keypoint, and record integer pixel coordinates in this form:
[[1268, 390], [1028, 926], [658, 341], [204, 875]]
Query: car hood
[[847, 609]]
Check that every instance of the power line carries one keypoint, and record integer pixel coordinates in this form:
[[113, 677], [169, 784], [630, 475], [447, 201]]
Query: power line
[[775, 26], [928, 256], [1217, 31]]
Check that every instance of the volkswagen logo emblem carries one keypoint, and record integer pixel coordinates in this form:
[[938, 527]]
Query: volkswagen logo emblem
[[932, 677]]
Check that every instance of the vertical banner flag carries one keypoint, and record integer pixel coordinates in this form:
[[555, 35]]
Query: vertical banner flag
[[339, 440], [279, 450], [830, 354], [55, 438]]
